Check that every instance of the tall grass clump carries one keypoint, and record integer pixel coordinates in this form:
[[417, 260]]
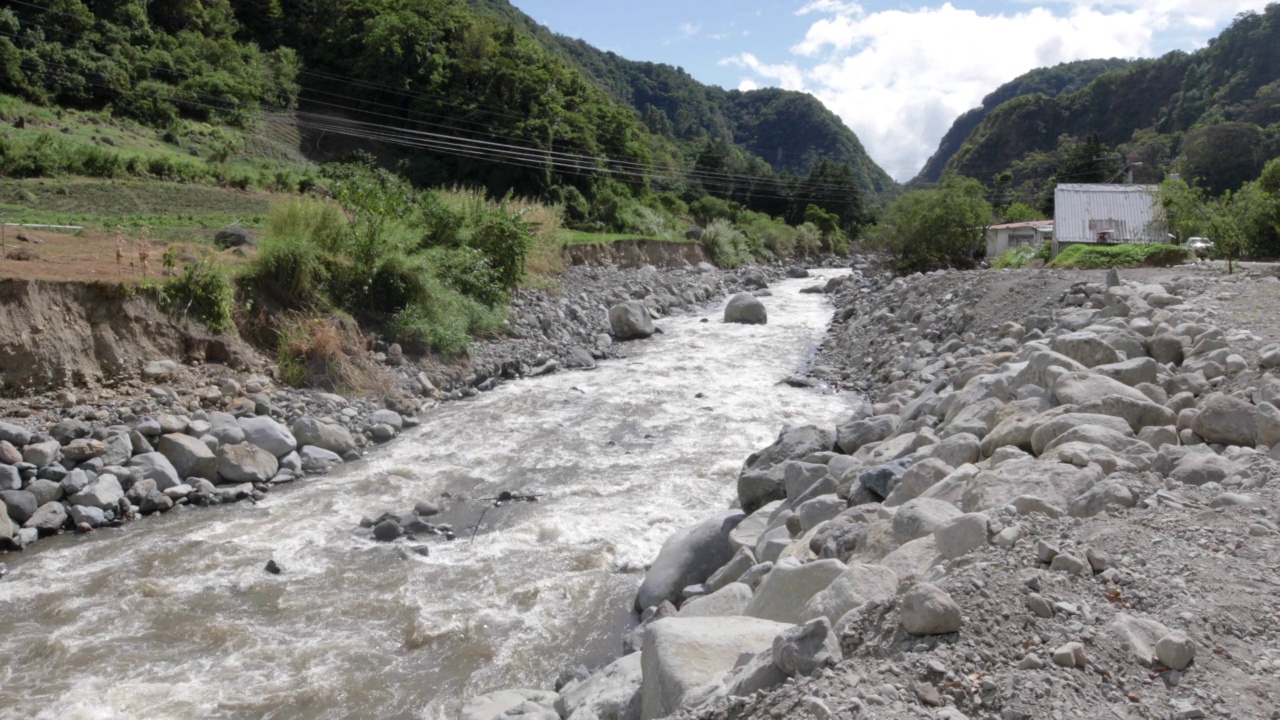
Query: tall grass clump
[[202, 291], [1119, 256], [726, 245]]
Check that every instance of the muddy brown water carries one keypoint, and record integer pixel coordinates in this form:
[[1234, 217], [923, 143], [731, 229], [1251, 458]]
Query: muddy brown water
[[174, 616]]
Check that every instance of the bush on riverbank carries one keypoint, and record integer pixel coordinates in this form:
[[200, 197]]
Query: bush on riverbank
[[1089, 257]]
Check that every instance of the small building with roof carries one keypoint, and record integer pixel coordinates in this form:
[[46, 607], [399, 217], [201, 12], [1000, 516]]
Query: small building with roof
[[1107, 215], [1003, 238]]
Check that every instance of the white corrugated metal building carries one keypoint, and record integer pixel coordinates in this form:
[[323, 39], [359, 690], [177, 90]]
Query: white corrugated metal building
[[1107, 214]]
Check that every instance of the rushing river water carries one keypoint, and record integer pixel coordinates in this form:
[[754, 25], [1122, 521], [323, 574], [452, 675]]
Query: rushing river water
[[174, 616]]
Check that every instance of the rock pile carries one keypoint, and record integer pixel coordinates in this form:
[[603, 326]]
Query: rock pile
[[1065, 515]]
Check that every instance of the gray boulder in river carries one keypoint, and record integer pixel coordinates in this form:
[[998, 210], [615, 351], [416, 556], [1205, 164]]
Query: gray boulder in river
[[688, 558], [746, 309], [630, 321]]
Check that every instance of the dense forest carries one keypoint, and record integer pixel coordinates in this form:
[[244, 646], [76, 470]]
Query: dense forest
[[1213, 115], [1064, 78], [447, 92]]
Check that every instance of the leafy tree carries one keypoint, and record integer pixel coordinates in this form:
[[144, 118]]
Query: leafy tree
[[1020, 212], [941, 228], [1088, 162], [1224, 156]]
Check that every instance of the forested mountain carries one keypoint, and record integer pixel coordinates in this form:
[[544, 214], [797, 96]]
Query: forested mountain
[[1064, 78], [791, 131], [1213, 114], [447, 91]]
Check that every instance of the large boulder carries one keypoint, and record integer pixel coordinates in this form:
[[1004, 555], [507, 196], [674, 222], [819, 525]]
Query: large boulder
[[732, 599], [119, 448], [156, 467], [245, 462], [14, 434], [1131, 372], [6, 525], [762, 480], [1085, 348], [788, 587], [1201, 468], [683, 654], [48, 519], [105, 494], [21, 504], [189, 456], [1054, 427], [746, 309], [928, 610], [688, 557], [630, 321], [918, 517], [808, 648], [41, 454], [521, 704], [261, 431], [1080, 388], [1053, 483], [334, 438], [856, 586], [1137, 413], [851, 436], [226, 428], [318, 461], [1227, 420]]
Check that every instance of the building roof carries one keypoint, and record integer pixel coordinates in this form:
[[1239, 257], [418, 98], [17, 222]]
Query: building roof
[[1118, 213], [1017, 225]]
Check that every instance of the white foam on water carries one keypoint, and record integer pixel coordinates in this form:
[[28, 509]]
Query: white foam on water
[[174, 616]]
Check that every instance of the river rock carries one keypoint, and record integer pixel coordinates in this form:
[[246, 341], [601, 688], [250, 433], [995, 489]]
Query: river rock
[[513, 704], [334, 438], [917, 518], [1052, 484], [226, 428], [318, 461], [1139, 635], [1175, 651], [1201, 468], [1225, 419], [15, 435], [104, 493], [613, 692], [961, 535], [48, 519], [10, 478], [46, 491], [157, 467], [852, 436], [928, 610], [786, 590], [118, 448], [21, 504], [689, 557], [82, 515], [82, 449], [631, 321], [41, 454], [807, 648], [270, 435], [1081, 388], [245, 462], [683, 654], [1085, 348], [856, 586], [6, 524], [729, 600], [746, 309], [189, 456], [387, 417]]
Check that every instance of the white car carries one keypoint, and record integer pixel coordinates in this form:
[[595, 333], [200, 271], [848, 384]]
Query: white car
[[1200, 245]]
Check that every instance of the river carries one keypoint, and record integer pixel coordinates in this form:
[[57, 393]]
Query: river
[[174, 615]]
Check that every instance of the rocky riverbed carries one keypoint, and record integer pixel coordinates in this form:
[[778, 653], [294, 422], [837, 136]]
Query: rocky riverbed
[[196, 432], [1057, 501]]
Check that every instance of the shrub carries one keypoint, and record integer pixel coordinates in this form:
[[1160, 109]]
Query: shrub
[[942, 228], [1015, 258], [725, 244], [203, 292], [1119, 256]]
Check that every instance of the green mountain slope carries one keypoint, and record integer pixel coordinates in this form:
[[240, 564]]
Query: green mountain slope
[[1218, 106], [1065, 78], [791, 131]]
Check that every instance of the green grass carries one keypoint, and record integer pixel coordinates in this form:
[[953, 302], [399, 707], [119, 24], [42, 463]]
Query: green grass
[[168, 210], [1016, 258], [580, 237], [1118, 256]]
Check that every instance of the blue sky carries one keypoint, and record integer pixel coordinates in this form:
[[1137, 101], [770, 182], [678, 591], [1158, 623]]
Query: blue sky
[[897, 71]]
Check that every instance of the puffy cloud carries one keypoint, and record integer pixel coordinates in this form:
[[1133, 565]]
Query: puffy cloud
[[899, 78]]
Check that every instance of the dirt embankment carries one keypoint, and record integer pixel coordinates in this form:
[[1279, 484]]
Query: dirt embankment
[[67, 334], [637, 253]]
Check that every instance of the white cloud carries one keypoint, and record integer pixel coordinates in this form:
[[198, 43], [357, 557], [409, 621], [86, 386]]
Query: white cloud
[[688, 30], [899, 78]]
